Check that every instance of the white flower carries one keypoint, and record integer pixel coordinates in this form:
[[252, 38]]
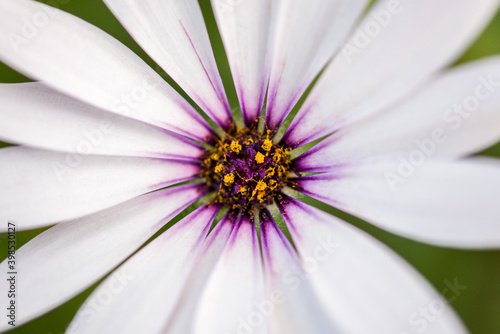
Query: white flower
[[102, 135]]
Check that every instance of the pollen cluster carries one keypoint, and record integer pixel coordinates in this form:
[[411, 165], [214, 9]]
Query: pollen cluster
[[247, 170]]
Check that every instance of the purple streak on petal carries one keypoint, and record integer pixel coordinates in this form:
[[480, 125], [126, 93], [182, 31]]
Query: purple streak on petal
[[293, 136], [240, 92], [190, 111], [166, 184], [243, 226], [303, 164], [318, 178], [316, 148], [293, 127], [331, 168], [262, 97], [264, 232], [285, 214], [201, 103], [303, 156], [178, 157], [180, 137], [172, 191], [255, 238], [203, 216], [216, 87], [247, 115], [339, 167], [192, 165], [192, 135], [243, 106], [294, 99], [211, 211], [268, 226], [225, 221], [188, 108], [271, 103], [232, 239], [199, 58], [174, 157]]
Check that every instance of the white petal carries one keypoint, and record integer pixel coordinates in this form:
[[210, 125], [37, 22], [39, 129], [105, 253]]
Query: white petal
[[84, 62], [234, 287], [182, 320], [308, 34], [417, 39], [35, 115], [451, 204], [452, 117], [291, 303], [155, 277], [245, 30], [66, 259], [174, 34], [362, 284], [44, 187]]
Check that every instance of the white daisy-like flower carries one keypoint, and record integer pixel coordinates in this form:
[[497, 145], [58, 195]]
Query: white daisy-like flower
[[102, 137]]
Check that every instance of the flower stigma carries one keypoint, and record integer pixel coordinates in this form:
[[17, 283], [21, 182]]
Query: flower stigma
[[247, 170]]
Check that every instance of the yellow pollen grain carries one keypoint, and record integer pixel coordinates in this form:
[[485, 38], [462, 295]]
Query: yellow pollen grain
[[229, 178], [215, 156], [243, 190], [260, 196], [270, 172], [273, 184], [267, 145], [219, 168], [277, 155], [281, 171], [259, 158], [235, 146], [261, 185]]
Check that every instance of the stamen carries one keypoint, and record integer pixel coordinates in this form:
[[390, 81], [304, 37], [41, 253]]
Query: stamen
[[219, 168], [259, 158], [229, 178], [270, 172], [235, 146], [261, 185], [267, 145], [247, 170]]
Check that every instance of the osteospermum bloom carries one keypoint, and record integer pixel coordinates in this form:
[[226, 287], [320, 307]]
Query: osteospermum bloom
[[102, 135]]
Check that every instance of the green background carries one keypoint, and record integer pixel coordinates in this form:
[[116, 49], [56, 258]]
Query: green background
[[478, 305]]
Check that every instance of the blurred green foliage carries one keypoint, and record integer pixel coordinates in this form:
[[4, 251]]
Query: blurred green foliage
[[479, 305]]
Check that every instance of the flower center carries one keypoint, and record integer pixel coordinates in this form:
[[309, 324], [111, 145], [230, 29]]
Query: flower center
[[247, 170]]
